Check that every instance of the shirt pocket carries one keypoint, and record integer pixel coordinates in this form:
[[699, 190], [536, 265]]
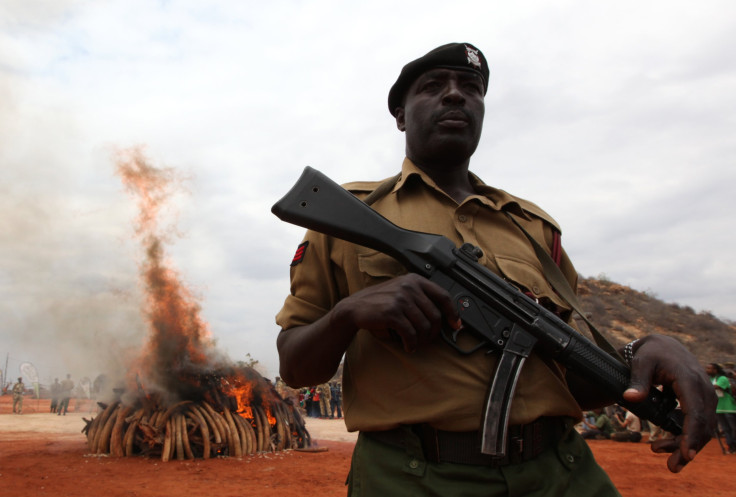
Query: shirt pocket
[[530, 279], [377, 266]]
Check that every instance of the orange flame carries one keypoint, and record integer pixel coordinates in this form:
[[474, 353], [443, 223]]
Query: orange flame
[[180, 358]]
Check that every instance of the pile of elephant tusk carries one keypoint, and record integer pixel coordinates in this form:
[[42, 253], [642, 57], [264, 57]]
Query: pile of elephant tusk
[[191, 430]]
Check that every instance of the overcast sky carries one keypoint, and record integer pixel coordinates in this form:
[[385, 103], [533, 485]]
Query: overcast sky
[[617, 117]]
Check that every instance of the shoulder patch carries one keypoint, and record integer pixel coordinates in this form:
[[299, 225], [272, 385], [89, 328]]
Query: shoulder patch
[[299, 255]]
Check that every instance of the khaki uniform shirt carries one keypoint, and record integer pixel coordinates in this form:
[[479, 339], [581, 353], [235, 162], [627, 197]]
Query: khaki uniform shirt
[[383, 386]]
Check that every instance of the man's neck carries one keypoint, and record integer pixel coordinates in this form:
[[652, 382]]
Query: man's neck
[[454, 180]]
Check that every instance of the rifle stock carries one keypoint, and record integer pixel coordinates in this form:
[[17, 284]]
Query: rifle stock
[[499, 315]]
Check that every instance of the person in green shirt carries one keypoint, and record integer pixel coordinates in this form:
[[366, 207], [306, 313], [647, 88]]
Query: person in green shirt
[[726, 408], [600, 428]]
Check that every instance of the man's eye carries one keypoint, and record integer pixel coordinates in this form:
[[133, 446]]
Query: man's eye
[[474, 87], [430, 86]]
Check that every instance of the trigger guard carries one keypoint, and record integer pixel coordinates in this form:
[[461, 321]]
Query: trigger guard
[[453, 343]]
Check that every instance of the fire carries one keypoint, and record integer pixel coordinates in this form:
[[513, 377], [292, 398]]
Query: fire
[[195, 403], [180, 346]]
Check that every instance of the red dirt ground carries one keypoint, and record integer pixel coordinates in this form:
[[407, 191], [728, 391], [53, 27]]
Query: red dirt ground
[[43, 454]]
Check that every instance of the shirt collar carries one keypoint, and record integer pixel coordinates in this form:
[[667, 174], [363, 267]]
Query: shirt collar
[[487, 195]]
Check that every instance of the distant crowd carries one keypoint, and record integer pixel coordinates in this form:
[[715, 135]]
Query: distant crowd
[[320, 401], [618, 424]]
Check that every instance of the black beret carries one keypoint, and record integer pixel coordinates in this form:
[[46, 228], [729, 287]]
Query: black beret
[[463, 56]]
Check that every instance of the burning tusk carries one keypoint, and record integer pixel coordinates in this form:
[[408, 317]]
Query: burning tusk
[[280, 429], [178, 439], [166, 452], [102, 421], [116, 437], [103, 442], [250, 435], [236, 449], [91, 432], [185, 437], [244, 436], [219, 421], [261, 423], [211, 422], [130, 437], [166, 415], [197, 417]]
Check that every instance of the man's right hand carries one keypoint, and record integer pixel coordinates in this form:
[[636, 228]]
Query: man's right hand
[[409, 307]]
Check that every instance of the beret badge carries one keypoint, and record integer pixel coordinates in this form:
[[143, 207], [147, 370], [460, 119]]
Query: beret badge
[[473, 58]]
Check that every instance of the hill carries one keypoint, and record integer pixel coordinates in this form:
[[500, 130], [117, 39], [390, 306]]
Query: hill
[[623, 314]]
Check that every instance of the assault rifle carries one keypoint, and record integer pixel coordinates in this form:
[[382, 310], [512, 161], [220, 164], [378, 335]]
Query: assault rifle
[[497, 314]]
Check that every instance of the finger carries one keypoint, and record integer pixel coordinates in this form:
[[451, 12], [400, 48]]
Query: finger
[[407, 335], [676, 461], [667, 445], [640, 381], [423, 319], [442, 300], [695, 403]]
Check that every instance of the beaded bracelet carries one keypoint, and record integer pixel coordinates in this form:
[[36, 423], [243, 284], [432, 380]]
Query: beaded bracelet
[[629, 352]]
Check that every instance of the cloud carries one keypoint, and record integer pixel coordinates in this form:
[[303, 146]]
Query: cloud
[[618, 124]]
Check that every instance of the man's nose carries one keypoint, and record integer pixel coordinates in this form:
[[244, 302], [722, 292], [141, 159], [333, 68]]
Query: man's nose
[[453, 94]]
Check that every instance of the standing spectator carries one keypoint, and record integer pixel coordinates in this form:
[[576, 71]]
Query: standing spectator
[[324, 400], [18, 391], [55, 391], [726, 408], [309, 401], [335, 400], [314, 397], [66, 393]]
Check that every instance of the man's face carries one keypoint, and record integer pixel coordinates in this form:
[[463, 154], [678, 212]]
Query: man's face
[[442, 116]]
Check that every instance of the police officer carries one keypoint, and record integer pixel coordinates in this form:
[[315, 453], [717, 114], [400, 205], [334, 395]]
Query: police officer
[[416, 402]]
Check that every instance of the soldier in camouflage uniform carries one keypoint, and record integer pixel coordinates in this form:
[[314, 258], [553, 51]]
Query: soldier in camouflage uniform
[[18, 390]]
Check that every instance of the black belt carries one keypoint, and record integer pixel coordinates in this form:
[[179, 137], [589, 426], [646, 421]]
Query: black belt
[[523, 442]]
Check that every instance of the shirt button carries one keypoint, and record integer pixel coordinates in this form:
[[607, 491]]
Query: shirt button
[[536, 289], [413, 464], [462, 218], [570, 458]]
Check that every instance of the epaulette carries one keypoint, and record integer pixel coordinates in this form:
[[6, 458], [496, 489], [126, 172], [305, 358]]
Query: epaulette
[[533, 209], [361, 186]]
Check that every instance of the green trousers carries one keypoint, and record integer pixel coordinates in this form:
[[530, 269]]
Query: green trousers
[[567, 470]]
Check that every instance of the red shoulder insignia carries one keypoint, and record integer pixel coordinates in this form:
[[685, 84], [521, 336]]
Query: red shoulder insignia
[[299, 255]]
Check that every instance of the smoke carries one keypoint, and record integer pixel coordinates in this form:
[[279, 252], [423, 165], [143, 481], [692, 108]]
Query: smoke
[[180, 351]]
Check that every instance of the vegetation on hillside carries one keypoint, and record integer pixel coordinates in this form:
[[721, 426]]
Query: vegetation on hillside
[[623, 314]]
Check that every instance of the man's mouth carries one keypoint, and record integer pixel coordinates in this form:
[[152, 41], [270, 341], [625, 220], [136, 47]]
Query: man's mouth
[[453, 119]]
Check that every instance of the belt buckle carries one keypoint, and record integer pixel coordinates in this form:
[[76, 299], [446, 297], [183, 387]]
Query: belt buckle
[[430, 442], [516, 448]]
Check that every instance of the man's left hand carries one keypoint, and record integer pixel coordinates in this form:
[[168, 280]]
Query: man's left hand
[[662, 360]]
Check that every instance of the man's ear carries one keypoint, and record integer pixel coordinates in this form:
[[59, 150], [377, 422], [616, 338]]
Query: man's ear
[[400, 121]]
